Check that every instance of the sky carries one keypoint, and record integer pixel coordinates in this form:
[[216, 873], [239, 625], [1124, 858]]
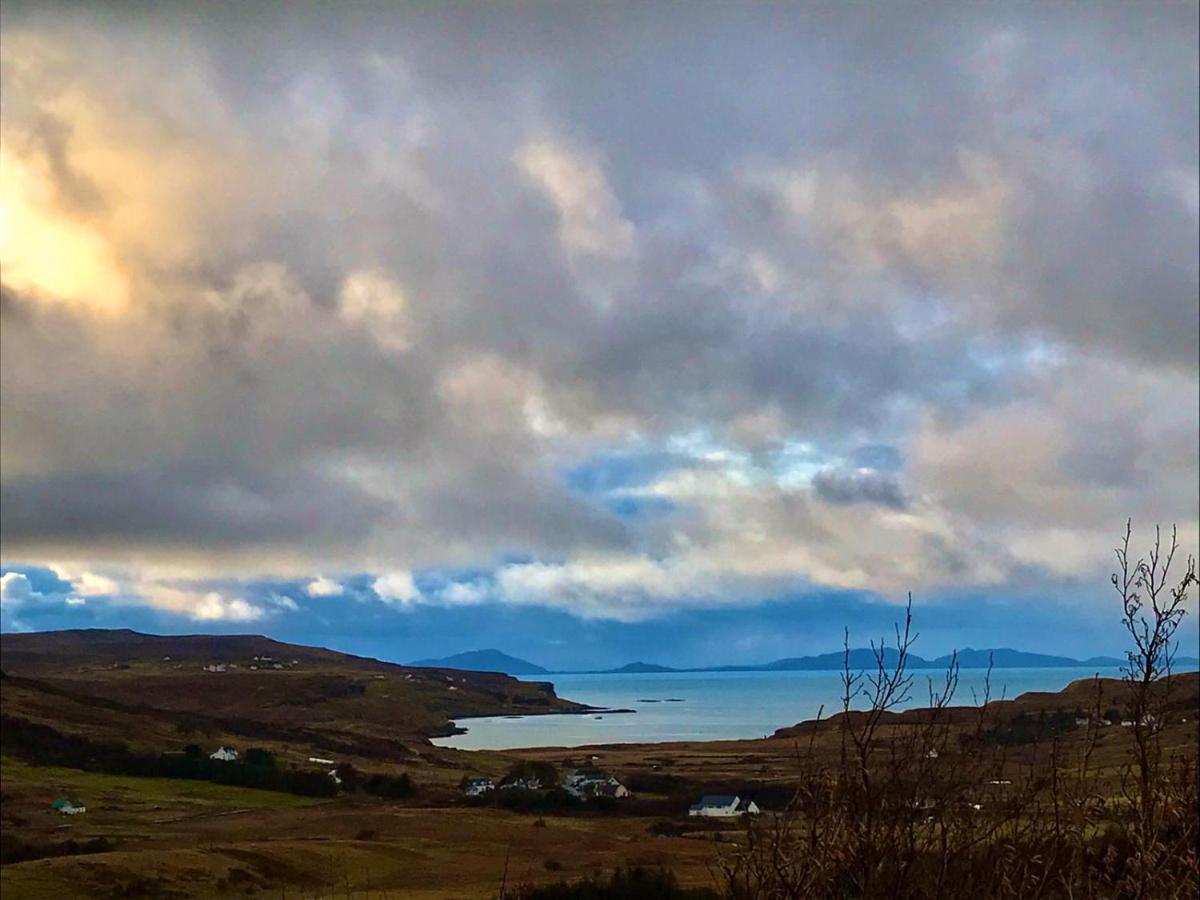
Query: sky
[[685, 332]]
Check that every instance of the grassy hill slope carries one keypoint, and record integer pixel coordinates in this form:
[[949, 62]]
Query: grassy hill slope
[[267, 688]]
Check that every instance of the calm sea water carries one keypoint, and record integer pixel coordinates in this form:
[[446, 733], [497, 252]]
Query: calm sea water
[[707, 706]]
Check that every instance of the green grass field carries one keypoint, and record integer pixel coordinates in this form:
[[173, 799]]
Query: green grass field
[[94, 789]]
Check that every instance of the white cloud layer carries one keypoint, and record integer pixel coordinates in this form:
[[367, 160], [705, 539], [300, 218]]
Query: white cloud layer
[[323, 587], [396, 587]]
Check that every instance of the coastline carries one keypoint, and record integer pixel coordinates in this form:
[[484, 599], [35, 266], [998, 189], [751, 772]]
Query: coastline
[[715, 707]]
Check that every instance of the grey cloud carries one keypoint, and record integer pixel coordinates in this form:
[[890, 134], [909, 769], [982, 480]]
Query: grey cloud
[[847, 486], [234, 406], [179, 508]]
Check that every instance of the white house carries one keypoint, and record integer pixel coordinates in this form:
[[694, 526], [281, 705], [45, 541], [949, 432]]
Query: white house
[[477, 787], [723, 806], [224, 754], [322, 762], [584, 784], [610, 787]]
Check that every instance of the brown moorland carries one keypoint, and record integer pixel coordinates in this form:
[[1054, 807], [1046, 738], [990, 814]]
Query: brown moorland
[[163, 837]]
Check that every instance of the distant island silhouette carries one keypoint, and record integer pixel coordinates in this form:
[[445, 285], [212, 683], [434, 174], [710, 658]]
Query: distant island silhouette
[[860, 658]]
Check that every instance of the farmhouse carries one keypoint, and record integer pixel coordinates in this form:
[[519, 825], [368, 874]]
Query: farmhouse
[[723, 806], [224, 754], [477, 787], [612, 788], [66, 808], [523, 784], [594, 783]]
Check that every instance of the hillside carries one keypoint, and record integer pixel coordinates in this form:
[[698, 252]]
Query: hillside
[[158, 837], [484, 661], [1085, 695], [254, 685]]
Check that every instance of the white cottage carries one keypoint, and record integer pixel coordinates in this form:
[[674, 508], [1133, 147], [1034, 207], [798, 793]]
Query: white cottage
[[224, 754], [593, 783], [723, 806], [477, 787]]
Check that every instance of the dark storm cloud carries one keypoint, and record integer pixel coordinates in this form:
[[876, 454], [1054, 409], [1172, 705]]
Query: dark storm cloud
[[843, 487], [202, 508]]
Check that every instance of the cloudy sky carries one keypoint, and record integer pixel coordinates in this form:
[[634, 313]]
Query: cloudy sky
[[690, 332]]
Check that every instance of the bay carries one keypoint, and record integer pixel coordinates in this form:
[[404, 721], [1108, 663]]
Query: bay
[[711, 706]]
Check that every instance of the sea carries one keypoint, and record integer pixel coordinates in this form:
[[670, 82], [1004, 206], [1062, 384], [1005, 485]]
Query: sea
[[712, 706]]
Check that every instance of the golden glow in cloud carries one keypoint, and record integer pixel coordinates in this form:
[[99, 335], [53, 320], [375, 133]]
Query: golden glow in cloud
[[48, 255]]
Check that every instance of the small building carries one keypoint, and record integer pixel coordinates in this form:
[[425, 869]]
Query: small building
[[613, 789], [1082, 722], [65, 807], [585, 783], [723, 806], [931, 753], [477, 787], [522, 784], [224, 754], [321, 761], [215, 667]]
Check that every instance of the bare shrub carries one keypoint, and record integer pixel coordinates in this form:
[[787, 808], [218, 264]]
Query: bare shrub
[[932, 803]]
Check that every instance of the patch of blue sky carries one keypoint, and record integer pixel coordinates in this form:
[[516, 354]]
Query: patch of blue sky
[[701, 446], [640, 507], [620, 470], [796, 462], [41, 579], [881, 457]]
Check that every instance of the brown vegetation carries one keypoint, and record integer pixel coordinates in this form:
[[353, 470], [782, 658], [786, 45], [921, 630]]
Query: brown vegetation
[[929, 808]]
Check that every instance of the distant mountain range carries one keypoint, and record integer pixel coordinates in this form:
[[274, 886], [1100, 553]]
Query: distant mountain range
[[860, 658]]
